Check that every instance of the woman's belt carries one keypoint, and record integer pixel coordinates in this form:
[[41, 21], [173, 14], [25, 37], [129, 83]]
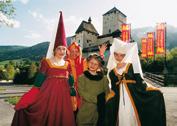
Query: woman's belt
[[66, 77], [126, 82]]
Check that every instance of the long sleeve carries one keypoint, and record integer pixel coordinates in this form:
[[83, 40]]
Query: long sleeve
[[41, 75], [137, 77], [83, 93], [114, 80], [71, 81]]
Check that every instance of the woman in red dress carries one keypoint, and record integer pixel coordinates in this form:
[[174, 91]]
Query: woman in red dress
[[52, 104]]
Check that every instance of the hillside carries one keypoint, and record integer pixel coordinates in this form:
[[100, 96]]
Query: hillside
[[10, 48], [137, 34], [35, 52]]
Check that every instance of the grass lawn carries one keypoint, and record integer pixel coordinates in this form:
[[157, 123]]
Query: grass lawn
[[12, 100]]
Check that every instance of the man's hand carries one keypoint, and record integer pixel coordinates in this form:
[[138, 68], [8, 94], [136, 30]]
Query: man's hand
[[102, 49]]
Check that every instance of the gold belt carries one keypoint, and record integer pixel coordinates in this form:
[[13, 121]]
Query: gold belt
[[126, 82], [57, 77]]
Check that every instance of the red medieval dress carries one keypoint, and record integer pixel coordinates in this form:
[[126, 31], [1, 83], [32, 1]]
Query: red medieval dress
[[52, 105]]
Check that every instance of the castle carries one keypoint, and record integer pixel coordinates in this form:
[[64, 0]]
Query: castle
[[89, 39]]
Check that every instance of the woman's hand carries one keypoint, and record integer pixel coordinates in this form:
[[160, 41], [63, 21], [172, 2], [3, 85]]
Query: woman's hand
[[102, 49]]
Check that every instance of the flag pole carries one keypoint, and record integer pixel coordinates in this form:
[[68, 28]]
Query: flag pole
[[165, 71]]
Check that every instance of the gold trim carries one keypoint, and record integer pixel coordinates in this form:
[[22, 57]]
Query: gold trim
[[129, 81], [127, 67], [152, 89], [54, 66], [117, 74], [133, 104], [57, 77], [126, 82], [110, 95]]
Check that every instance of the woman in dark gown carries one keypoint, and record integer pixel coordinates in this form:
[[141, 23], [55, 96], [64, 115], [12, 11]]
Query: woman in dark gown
[[51, 106], [135, 103]]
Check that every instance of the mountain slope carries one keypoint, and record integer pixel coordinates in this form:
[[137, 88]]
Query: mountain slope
[[35, 52], [10, 48], [137, 34]]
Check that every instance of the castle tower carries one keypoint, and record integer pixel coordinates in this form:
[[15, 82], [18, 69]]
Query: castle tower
[[112, 20], [86, 34]]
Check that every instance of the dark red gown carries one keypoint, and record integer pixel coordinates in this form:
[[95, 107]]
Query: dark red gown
[[52, 105]]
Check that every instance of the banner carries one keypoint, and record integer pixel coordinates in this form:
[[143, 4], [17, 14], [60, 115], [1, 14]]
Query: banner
[[160, 38], [150, 44], [126, 31], [144, 47]]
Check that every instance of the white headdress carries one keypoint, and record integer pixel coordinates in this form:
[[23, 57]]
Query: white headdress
[[131, 55]]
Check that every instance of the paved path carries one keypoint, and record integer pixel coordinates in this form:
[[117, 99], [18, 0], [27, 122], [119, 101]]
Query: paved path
[[13, 90], [6, 110], [170, 95], [6, 113]]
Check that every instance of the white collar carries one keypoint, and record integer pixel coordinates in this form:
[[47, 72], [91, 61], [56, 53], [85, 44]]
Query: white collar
[[57, 62]]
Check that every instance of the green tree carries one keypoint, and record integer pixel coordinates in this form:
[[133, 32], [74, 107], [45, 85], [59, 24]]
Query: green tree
[[12, 63], [3, 75], [10, 71], [172, 60], [7, 12], [32, 70], [27, 62]]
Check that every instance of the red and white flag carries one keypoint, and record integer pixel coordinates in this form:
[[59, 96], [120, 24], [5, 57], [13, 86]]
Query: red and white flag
[[126, 32], [160, 38]]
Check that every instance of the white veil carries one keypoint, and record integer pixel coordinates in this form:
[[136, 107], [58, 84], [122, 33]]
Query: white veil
[[131, 51]]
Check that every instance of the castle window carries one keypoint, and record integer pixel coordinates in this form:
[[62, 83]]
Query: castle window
[[109, 30], [88, 41]]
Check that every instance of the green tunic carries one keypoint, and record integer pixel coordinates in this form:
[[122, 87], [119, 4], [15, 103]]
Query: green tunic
[[89, 88]]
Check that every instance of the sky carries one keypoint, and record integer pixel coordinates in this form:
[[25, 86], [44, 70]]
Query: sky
[[36, 20]]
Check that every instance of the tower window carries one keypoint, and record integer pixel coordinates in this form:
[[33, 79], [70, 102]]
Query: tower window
[[109, 30]]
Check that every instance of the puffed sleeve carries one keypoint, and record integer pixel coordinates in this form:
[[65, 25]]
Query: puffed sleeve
[[41, 75]]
